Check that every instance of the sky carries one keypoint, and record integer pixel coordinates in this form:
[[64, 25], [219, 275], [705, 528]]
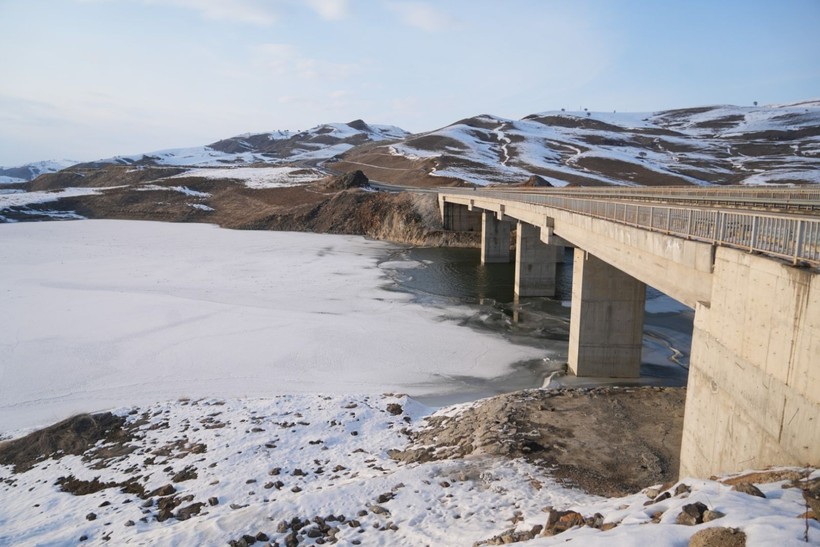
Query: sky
[[89, 79]]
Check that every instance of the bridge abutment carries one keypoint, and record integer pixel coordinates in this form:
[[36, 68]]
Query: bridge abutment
[[535, 262], [753, 398], [495, 239], [459, 218], [606, 320]]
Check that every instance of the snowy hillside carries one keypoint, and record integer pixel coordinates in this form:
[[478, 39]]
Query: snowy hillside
[[697, 146], [30, 171], [319, 143]]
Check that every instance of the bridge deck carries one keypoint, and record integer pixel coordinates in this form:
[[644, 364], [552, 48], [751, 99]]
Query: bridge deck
[[779, 230]]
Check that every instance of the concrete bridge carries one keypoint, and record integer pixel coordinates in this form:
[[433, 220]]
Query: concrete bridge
[[747, 261]]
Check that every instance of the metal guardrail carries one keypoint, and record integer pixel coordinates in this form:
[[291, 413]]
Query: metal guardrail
[[779, 235], [803, 193], [803, 199]]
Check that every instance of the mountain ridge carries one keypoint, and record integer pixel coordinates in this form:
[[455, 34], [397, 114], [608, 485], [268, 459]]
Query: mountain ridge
[[701, 146]]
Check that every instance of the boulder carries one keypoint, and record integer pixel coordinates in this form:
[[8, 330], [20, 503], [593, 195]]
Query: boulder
[[718, 537], [692, 514]]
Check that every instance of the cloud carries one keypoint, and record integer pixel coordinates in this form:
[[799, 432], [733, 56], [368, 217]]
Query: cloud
[[329, 9], [422, 15]]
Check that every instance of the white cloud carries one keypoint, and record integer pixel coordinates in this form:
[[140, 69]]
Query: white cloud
[[422, 15], [329, 9]]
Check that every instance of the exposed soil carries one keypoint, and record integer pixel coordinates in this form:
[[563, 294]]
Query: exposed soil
[[608, 441], [337, 205], [75, 435]]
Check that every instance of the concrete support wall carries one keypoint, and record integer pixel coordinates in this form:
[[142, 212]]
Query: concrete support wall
[[753, 398], [460, 218], [535, 262], [495, 239], [606, 320]]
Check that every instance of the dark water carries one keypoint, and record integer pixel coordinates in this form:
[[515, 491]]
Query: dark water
[[444, 277]]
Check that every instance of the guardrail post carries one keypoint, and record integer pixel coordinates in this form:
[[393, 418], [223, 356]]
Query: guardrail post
[[798, 240], [651, 217], [668, 219], [753, 240], [689, 223]]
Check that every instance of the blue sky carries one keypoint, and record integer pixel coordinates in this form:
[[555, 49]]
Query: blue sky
[[86, 79]]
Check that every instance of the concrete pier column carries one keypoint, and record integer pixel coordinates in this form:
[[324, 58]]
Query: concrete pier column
[[495, 239], [606, 321], [534, 262]]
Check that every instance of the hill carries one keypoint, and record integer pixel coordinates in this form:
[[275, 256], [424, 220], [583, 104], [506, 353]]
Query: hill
[[697, 146], [290, 180]]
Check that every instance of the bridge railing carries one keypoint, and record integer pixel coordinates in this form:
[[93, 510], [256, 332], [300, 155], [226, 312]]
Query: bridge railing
[[805, 199], [741, 192], [793, 238]]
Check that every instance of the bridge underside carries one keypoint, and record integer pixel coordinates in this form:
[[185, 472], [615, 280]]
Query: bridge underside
[[753, 398]]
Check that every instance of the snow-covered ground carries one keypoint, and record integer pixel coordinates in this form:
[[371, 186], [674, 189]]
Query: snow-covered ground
[[258, 177], [21, 199], [101, 313], [211, 471]]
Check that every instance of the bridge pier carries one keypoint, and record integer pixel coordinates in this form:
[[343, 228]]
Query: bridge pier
[[495, 239], [606, 320], [535, 262]]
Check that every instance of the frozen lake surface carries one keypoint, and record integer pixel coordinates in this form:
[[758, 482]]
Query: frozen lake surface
[[98, 314]]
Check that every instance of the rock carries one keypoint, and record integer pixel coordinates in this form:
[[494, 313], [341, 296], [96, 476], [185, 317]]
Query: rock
[[710, 515], [261, 536], [595, 521], [718, 537], [749, 488], [282, 527], [248, 539], [189, 473], [653, 492], [395, 409], [188, 511], [536, 182], [811, 493], [163, 491], [384, 498], [379, 510], [298, 473], [275, 471], [356, 179], [682, 489], [213, 501], [691, 514], [91, 516], [561, 521], [129, 523]]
